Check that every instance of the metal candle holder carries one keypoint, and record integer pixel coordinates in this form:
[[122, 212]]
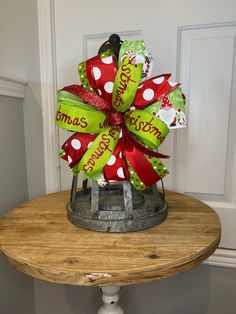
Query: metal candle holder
[[115, 207]]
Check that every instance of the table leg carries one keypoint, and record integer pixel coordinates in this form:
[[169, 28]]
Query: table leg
[[110, 297]]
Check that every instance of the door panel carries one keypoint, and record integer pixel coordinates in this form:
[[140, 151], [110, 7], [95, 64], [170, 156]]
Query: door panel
[[206, 153]]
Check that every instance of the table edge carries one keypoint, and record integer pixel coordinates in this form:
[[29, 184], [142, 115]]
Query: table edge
[[111, 279]]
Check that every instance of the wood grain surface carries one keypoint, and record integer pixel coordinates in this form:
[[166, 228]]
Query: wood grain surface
[[38, 240]]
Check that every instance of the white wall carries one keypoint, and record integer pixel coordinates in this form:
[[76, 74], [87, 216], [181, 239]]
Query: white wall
[[19, 58], [13, 178], [13, 191], [22, 163]]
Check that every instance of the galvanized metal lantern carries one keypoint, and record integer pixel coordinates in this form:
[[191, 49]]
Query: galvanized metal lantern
[[120, 116], [116, 207]]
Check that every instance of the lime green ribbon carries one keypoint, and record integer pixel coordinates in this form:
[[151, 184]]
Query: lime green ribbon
[[149, 130], [126, 83], [74, 115], [100, 152]]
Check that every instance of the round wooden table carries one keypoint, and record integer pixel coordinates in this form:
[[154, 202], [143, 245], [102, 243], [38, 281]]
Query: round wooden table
[[37, 239]]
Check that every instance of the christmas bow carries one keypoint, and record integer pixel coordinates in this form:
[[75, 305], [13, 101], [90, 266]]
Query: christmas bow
[[117, 120]]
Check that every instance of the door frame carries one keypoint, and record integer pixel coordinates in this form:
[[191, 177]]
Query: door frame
[[47, 56]]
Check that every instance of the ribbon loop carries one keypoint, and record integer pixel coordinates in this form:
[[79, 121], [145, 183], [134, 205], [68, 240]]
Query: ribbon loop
[[126, 83], [149, 130]]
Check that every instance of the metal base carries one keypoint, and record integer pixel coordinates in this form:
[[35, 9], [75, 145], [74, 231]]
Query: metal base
[[109, 211]]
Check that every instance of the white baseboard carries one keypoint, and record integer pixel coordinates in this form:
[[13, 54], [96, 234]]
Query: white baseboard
[[12, 87], [222, 258]]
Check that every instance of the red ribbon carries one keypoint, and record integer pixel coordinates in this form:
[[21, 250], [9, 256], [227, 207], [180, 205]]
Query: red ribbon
[[140, 164], [90, 98]]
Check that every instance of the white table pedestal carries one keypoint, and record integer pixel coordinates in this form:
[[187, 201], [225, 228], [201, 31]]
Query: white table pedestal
[[110, 297]]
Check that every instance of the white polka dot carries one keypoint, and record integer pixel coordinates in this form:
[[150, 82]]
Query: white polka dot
[[120, 173], [89, 144], [69, 159], [120, 136], [158, 80], [120, 154], [172, 83], [107, 60], [132, 108], [148, 94], [99, 92], [112, 160], [97, 73], [76, 144], [140, 86], [108, 87]]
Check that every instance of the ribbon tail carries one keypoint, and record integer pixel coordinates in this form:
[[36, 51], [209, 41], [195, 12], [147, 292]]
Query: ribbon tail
[[136, 144], [140, 164]]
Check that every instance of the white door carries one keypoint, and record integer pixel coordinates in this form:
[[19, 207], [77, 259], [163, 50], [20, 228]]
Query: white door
[[201, 55]]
